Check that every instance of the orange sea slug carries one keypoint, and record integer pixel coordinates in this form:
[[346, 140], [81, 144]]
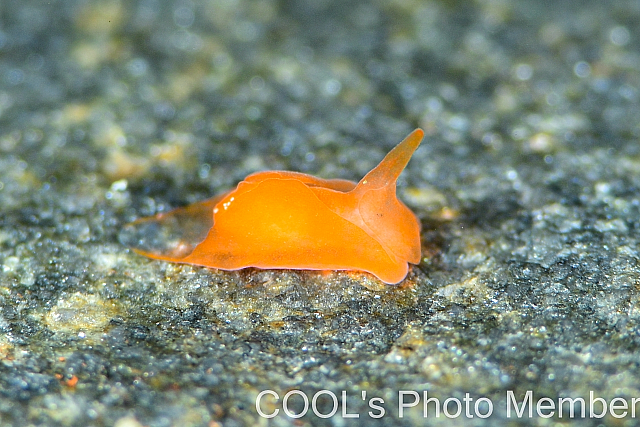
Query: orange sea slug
[[291, 220]]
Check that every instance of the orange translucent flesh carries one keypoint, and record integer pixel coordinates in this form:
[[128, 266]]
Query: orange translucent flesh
[[284, 219], [343, 185], [374, 207], [174, 234], [390, 168]]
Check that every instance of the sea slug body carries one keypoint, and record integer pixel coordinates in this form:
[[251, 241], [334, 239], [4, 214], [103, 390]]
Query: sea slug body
[[291, 220]]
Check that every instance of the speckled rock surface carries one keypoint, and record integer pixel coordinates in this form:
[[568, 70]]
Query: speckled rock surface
[[526, 186]]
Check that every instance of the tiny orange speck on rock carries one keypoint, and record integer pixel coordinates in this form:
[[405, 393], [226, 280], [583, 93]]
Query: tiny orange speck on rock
[[71, 382]]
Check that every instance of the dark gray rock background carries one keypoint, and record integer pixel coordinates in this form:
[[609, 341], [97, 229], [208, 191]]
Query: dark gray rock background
[[526, 186]]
